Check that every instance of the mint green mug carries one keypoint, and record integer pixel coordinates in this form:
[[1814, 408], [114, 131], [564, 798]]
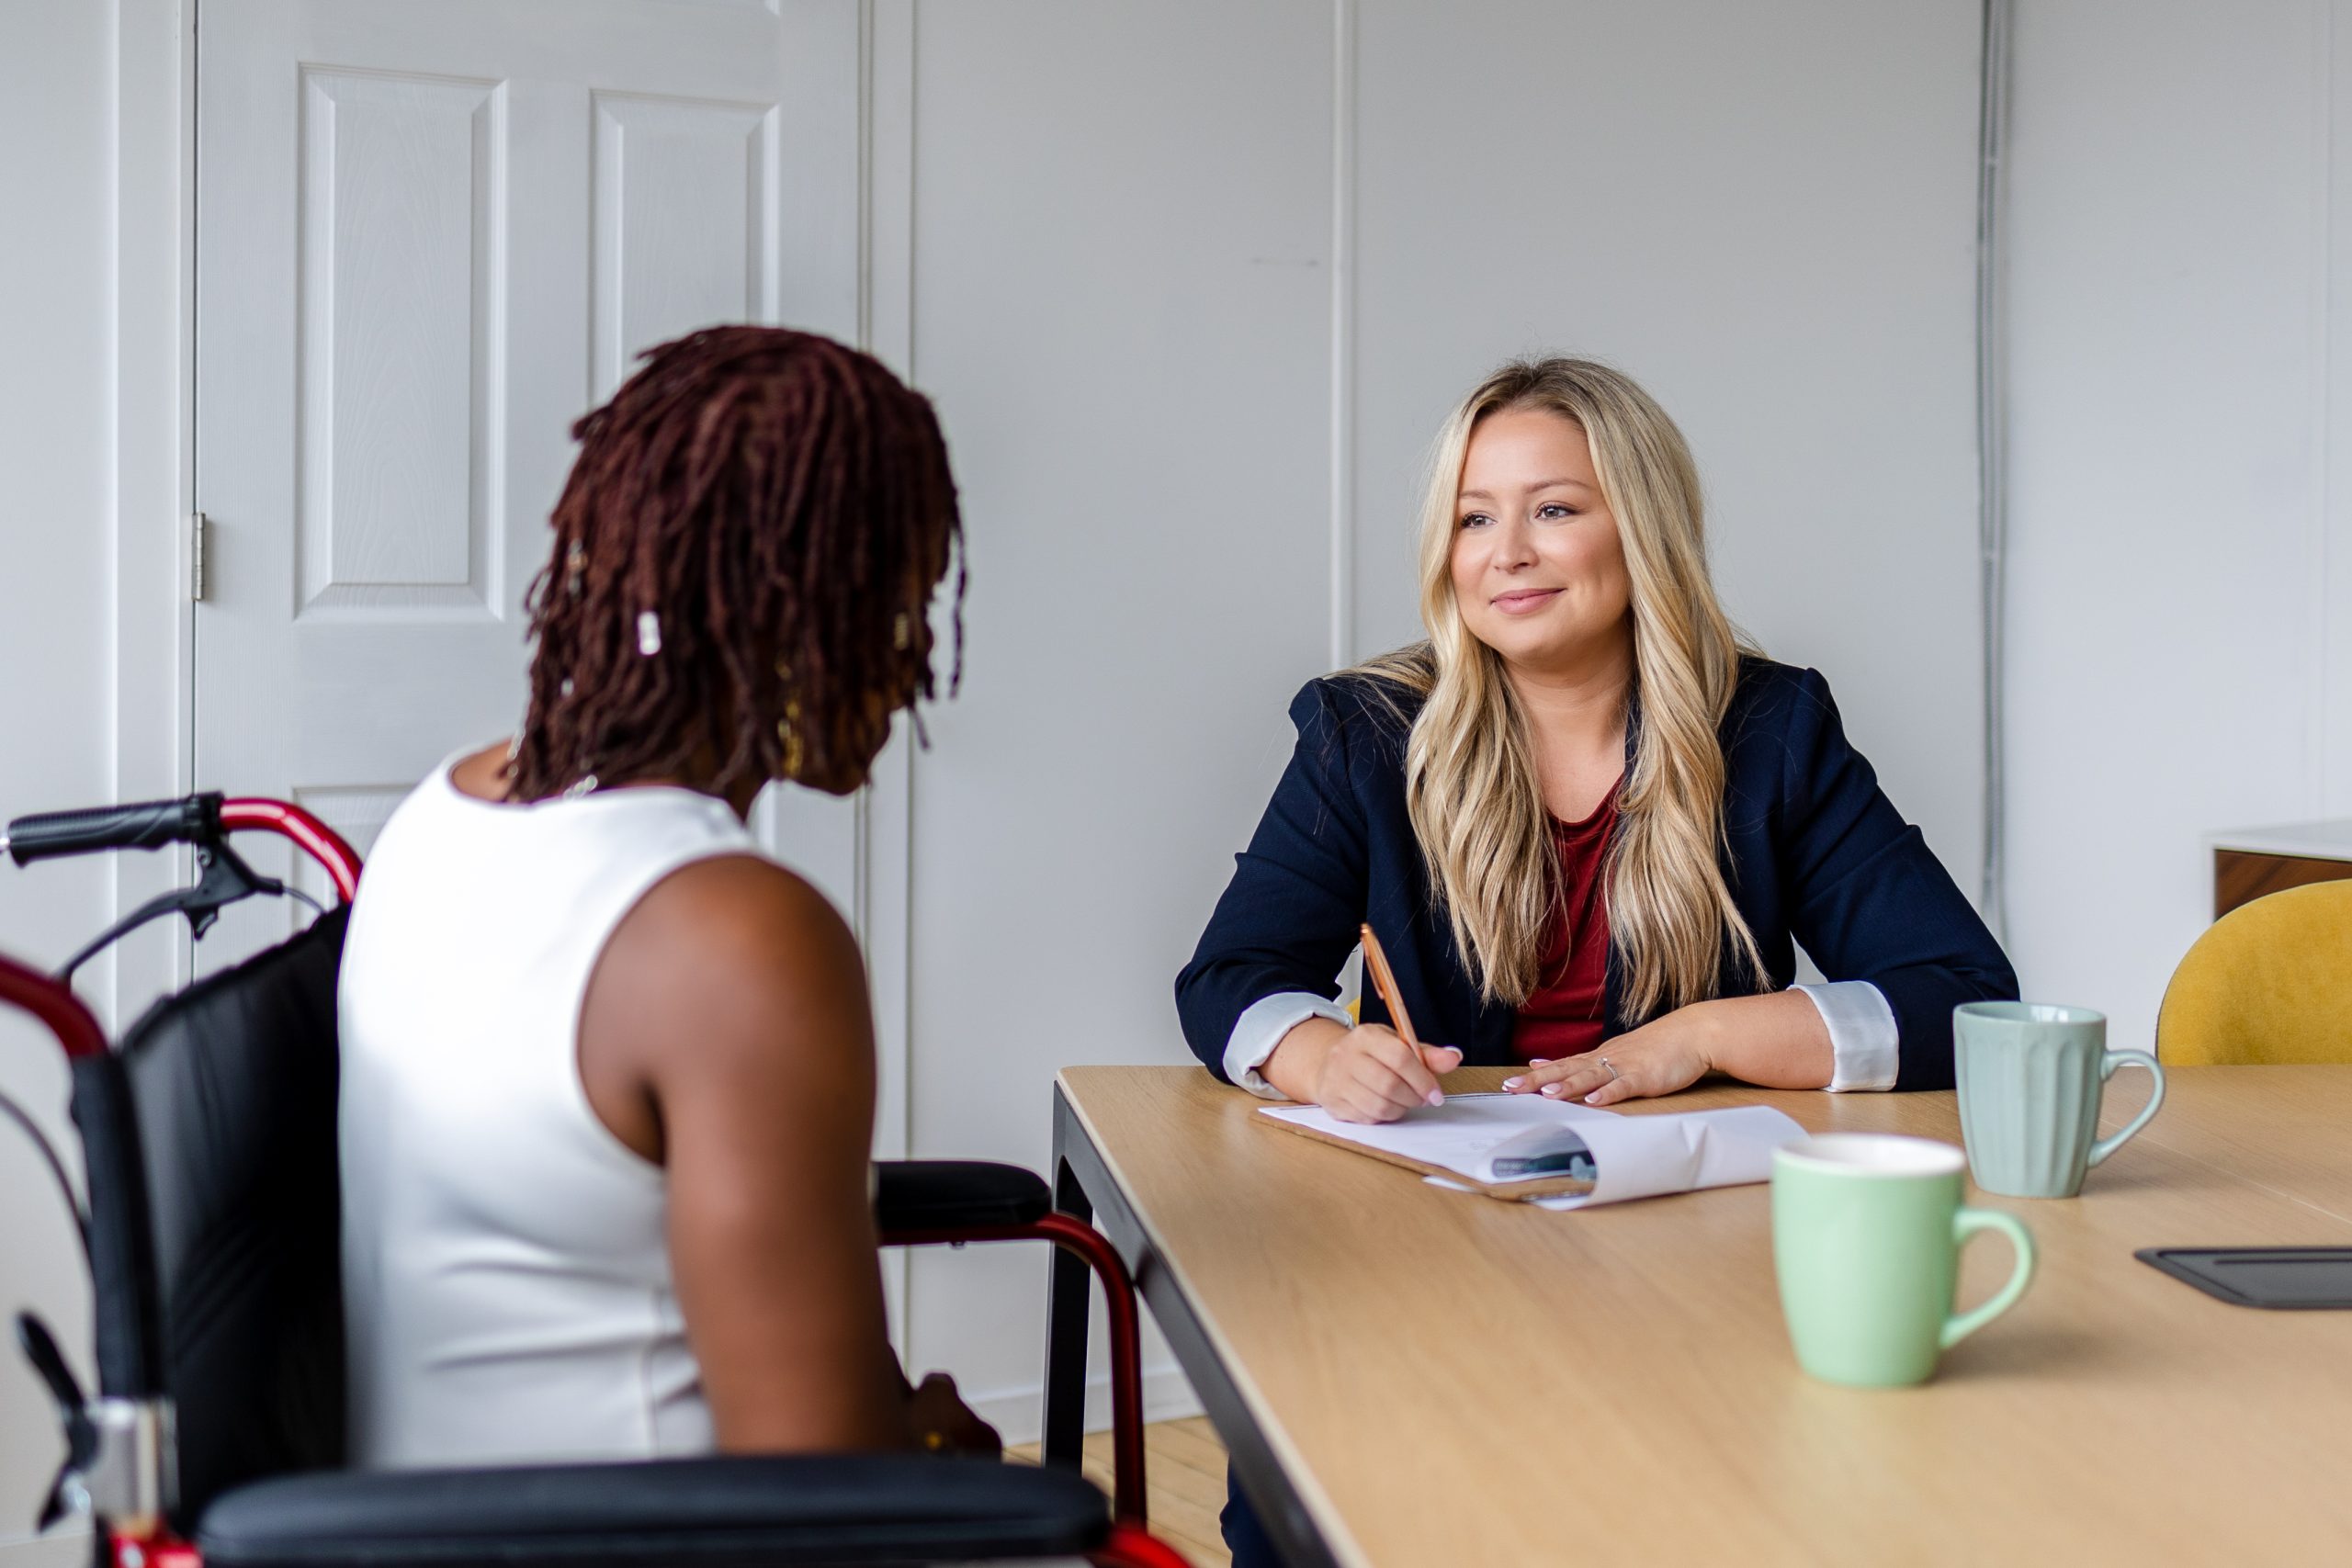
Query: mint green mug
[[2031, 1078], [1866, 1235]]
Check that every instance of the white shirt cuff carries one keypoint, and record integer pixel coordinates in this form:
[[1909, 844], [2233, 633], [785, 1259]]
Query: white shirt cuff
[[1260, 1028], [1862, 1033]]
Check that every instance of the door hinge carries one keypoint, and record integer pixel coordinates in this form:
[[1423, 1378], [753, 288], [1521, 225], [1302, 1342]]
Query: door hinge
[[198, 528]]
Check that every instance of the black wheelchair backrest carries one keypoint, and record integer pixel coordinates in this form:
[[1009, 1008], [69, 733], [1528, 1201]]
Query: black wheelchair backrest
[[215, 1217]]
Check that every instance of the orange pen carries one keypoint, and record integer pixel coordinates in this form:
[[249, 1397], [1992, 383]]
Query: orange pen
[[1376, 964]]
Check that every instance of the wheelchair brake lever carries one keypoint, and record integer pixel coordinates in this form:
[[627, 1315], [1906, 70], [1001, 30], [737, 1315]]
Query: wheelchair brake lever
[[40, 1349], [121, 1454], [223, 879], [72, 1412]]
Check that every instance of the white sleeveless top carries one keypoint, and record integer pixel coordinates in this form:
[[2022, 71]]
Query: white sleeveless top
[[506, 1268]]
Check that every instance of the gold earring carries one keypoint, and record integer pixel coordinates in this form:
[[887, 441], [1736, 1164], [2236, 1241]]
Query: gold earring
[[901, 633], [787, 729]]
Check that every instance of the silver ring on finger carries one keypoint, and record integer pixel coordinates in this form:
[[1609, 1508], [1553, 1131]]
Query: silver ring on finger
[[1614, 1074]]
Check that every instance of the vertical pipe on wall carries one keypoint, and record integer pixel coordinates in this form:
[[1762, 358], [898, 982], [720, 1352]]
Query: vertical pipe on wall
[[864, 826], [1992, 523], [1344, 256], [886, 807], [2323, 311]]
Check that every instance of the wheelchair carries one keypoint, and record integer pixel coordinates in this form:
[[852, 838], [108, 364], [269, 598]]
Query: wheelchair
[[213, 1215]]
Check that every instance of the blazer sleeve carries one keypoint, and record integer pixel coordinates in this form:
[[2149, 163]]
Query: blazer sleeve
[[1869, 901], [1287, 921]]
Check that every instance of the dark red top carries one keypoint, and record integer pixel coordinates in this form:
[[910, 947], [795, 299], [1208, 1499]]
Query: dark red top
[[1563, 1016]]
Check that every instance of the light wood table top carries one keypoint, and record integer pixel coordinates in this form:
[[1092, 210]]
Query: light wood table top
[[1448, 1380]]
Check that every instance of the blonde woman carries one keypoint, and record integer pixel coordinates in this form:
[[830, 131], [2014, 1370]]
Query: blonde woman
[[1587, 823]]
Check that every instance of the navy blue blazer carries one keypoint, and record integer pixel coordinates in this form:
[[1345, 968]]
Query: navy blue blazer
[[1814, 853]]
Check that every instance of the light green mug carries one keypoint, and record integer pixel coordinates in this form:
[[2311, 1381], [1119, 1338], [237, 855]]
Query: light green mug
[[1866, 1235], [2032, 1078]]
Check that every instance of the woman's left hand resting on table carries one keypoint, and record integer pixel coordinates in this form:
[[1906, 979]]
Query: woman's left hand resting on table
[[1775, 1042]]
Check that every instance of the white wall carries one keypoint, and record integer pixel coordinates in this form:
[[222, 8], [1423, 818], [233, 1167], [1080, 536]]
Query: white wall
[[56, 70], [2181, 564], [1123, 302], [56, 491], [1765, 214]]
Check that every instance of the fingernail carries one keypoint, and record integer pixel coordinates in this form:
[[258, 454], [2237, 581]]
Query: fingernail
[[1436, 1097], [1551, 1089], [1514, 1083], [1536, 1062], [1593, 1098]]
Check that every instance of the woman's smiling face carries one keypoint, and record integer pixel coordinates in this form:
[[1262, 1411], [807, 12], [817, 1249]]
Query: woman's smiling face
[[1538, 573]]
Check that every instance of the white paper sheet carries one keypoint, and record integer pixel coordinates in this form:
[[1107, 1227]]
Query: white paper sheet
[[1634, 1157]]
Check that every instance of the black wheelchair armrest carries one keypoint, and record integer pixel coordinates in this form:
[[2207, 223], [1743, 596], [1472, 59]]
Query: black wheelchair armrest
[[733, 1511], [952, 1194]]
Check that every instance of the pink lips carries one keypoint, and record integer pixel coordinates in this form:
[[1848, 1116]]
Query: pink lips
[[1524, 600]]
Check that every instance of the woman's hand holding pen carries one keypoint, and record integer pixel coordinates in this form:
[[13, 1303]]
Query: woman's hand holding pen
[[1365, 1073], [1368, 1072]]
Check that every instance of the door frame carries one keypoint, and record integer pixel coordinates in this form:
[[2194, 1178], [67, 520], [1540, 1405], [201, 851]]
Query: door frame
[[153, 414]]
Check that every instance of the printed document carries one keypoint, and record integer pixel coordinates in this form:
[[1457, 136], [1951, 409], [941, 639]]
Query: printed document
[[1632, 1156]]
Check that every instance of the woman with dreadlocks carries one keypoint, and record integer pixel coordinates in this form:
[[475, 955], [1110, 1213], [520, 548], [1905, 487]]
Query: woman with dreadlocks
[[608, 1072]]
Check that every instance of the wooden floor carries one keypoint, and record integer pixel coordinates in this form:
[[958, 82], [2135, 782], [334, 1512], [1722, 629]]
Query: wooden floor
[[1184, 1465]]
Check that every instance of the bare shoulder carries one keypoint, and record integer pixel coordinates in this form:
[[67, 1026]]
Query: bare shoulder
[[482, 774], [739, 909], [734, 960]]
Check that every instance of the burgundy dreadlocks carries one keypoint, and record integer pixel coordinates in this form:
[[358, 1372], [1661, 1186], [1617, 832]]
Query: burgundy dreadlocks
[[743, 558]]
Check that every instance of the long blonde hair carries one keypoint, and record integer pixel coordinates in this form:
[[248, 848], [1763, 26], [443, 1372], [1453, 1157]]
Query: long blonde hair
[[1471, 785]]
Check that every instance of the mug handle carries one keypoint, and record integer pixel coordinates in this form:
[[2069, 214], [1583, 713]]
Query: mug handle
[[1966, 1222], [2115, 1060]]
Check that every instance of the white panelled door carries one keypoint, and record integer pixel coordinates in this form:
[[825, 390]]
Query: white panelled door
[[430, 235]]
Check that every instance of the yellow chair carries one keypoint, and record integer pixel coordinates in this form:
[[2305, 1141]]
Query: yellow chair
[[2269, 982]]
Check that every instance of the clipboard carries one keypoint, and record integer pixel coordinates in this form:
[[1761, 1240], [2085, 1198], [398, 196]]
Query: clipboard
[[1509, 1191], [1465, 1141]]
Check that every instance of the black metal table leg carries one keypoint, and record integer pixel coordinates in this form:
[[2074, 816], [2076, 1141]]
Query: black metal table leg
[[1066, 1316], [1083, 1186]]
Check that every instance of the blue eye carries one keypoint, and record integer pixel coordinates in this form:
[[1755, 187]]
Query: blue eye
[[1554, 509], [1475, 518]]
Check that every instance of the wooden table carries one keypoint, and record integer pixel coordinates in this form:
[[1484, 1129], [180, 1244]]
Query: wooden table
[[1408, 1376]]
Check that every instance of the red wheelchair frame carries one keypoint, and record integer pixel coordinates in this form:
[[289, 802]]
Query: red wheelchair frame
[[146, 1541]]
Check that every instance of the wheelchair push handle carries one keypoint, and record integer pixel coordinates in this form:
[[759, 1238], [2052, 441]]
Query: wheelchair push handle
[[143, 825], [204, 820]]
